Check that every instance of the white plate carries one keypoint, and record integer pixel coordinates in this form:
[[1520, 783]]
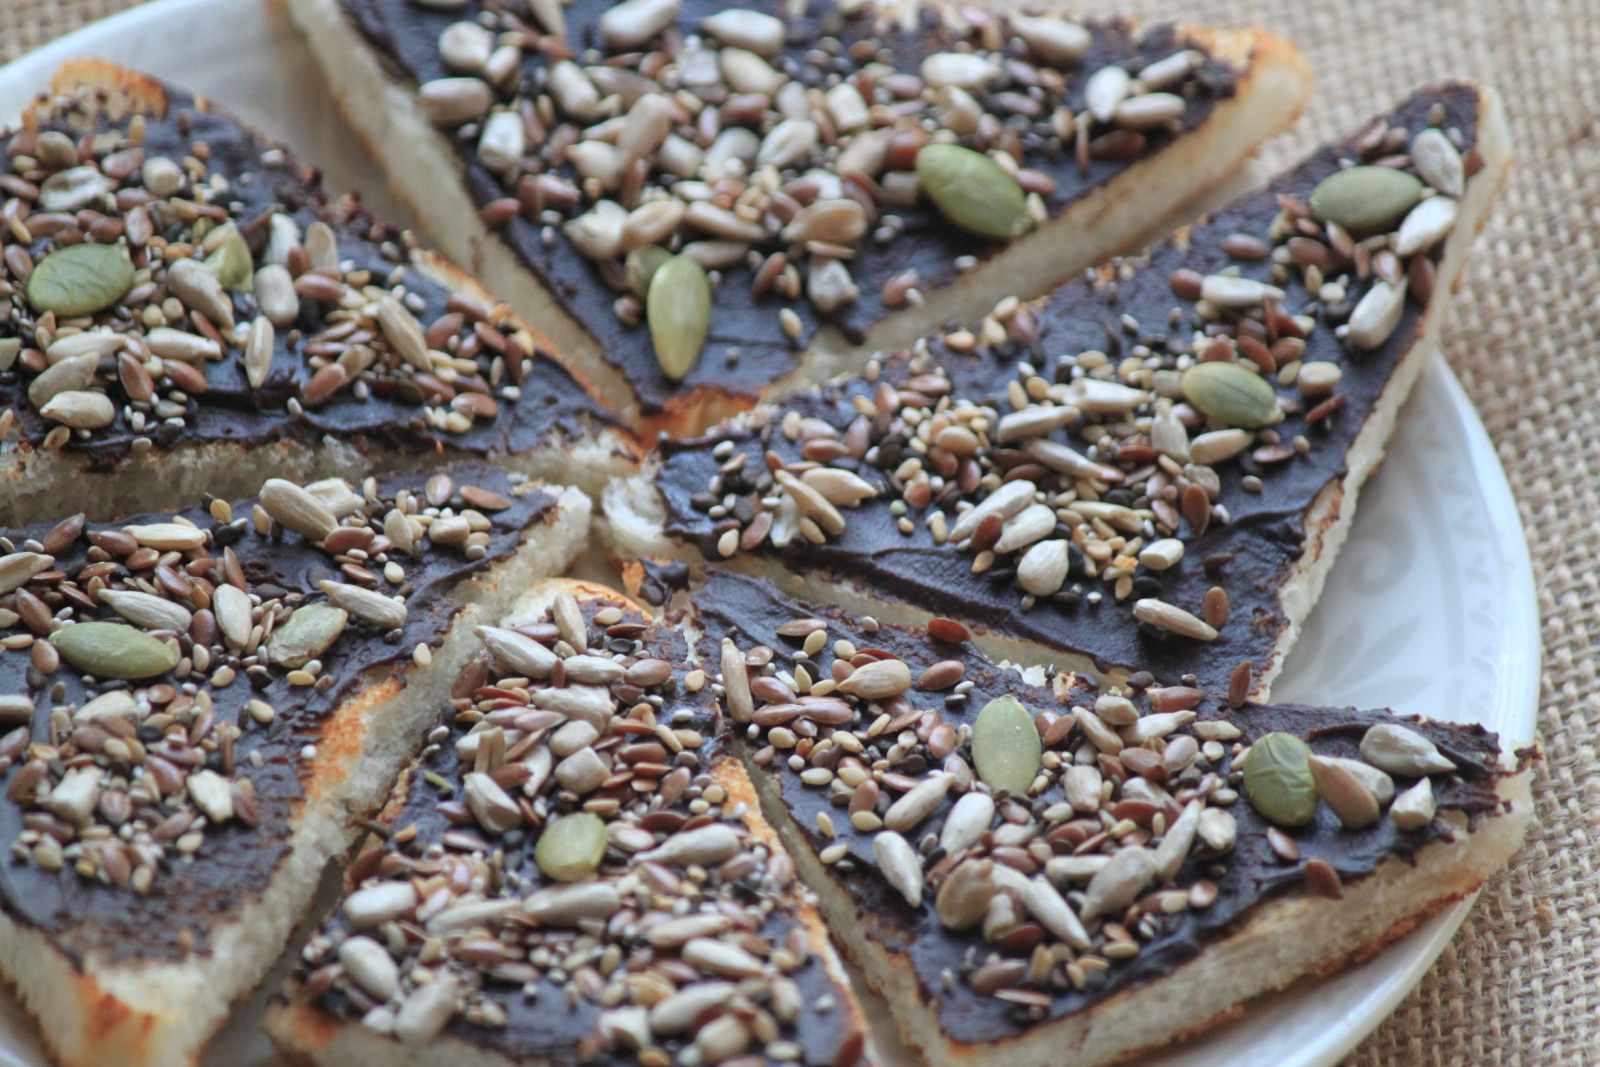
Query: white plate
[[1430, 608]]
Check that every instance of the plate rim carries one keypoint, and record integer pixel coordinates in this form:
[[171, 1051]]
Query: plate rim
[[1517, 687]]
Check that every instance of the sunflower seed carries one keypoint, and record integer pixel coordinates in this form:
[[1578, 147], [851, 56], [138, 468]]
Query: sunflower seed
[[1005, 502], [144, 609], [1425, 225], [570, 905], [427, 1008], [1052, 39], [297, 509], [1164, 616], [1414, 808], [720, 958], [628, 25], [517, 652], [69, 375], [18, 568], [1438, 161], [900, 866], [1401, 750], [378, 904], [967, 821], [1048, 906], [744, 28], [1232, 291], [385, 612], [704, 847], [878, 680], [453, 101], [1116, 884], [1217, 829], [917, 803], [1345, 793], [370, 967], [1379, 783], [73, 798], [1105, 89], [963, 898], [1177, 841], [199, 290], [212, 794], [258, 352]]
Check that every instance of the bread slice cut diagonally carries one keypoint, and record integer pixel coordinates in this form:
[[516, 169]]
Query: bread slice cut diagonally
[[166, 833], [1103, 188], [234, 320], [1144, 513], [1031, 869], [676, 935]]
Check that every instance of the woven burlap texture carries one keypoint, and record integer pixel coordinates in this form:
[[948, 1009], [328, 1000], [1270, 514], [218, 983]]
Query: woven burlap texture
[[1520, 984]]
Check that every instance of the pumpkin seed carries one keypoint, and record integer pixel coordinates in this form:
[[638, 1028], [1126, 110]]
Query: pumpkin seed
[[641, 267], [1277, 778], [571, 847], [1230, 394], [1005, 745], [1365, 199], [80, 279], [678, 308], [306, 635], [231, 262], [972, 191], [113, 650]]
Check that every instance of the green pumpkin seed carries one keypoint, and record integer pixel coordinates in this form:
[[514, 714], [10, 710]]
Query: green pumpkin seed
[[1231, 395], [232, 262], [1277, 778], [1006, 746], [113, 650], [571, 847], [679, 311], [306, 634], [973, 191], [80, 279], [641, 266], [1365, 199]]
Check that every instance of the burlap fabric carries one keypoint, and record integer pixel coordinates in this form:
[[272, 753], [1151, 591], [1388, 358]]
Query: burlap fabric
[[1520, 984]]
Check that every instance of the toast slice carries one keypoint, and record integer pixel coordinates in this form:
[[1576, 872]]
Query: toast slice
[[1035, 871], [189, 311], [563, 151], [198, 705], [1154, 468], [575, 870]]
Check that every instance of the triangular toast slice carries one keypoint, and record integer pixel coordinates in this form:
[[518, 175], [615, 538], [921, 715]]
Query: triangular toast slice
[[1033, 870], [575, 870], [564, 150], [198, 705], [184, 309], [1155, 467]]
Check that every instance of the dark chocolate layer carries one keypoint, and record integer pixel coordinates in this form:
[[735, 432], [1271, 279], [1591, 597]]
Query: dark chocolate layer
[[191, 898], [546, 1019], [552, 405], [1251, 556], [747, 350], [750, 611]]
